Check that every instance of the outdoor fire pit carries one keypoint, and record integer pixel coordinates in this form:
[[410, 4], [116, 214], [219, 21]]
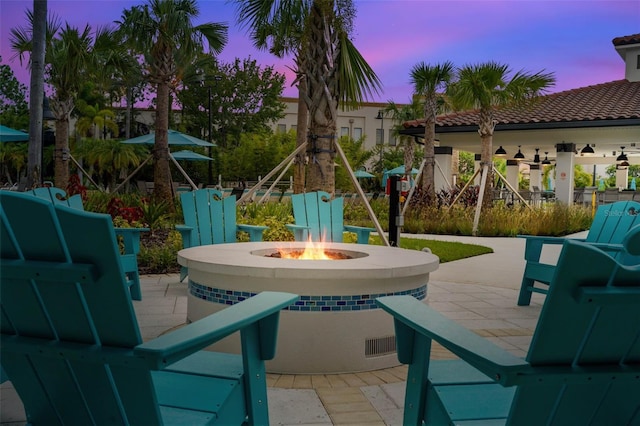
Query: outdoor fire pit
[[335, 325]]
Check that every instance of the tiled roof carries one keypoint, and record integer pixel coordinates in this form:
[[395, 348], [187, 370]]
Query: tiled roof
[[630, 39], [617, 100]]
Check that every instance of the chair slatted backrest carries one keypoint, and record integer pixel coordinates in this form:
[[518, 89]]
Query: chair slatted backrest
[[612, 222], [591, 317], [322, 215], [62, 285], [212, 216], [59, 196]]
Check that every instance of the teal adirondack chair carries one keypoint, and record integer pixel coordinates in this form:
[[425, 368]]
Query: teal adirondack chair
[[130, 237], [321, 219], [70, 340], [211, 219], [610, 225], [582, 368]]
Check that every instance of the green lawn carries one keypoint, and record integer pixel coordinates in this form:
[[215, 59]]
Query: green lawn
[[447, 251]]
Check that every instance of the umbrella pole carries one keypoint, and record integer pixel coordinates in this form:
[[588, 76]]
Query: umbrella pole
[[83, 171], [193, 185], [271, 173], [413, 188], [372, 215], [132, 174], [268, 193]]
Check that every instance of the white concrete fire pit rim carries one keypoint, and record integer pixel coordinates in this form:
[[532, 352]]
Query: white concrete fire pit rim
[[379, 261]]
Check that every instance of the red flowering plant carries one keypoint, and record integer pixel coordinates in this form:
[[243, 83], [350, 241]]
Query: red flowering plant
[[120, 212], [75, 186]]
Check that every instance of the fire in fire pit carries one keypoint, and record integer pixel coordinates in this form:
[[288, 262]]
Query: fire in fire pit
[[311, 251]]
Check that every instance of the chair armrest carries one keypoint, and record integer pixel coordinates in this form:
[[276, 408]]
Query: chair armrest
[[186, 232], [300, 232], [254, 231], [361, 232], [130, 238], [411, 315], [534, 244], [263, 308]]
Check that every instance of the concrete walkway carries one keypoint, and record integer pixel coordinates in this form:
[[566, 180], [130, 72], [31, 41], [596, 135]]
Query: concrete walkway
[[480, 293]]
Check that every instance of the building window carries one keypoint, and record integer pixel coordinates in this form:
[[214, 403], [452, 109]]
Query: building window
[[392, 138], [379, 136], [638, 62], [282, 128], [344, 131], [357, 133]]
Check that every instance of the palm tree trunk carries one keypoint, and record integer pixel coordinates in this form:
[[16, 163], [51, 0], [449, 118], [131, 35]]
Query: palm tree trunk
[[486, 157], [301, 137], [162, 173], [61, 155], [322, 101], [428, 174], [321, 168], [487, 126], [36, 94]]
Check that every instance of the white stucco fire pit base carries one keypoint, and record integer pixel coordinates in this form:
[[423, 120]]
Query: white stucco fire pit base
[[334, 326]]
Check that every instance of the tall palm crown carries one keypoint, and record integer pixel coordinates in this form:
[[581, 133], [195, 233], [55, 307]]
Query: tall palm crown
[[162, 33], [429, 82], [487, 87], [330, 70]]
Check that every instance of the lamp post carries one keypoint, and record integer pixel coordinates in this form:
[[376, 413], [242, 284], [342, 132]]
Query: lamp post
[[210, 170], [216, 79], [381, 142]]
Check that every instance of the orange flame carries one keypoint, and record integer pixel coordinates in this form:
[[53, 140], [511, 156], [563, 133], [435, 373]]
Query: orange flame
[[312, 251]]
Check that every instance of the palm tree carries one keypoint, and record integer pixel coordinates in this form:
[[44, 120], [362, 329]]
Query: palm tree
[[400, 115], [69, 53], [163, 34], [429, 82], [487, 87], [330, 70]]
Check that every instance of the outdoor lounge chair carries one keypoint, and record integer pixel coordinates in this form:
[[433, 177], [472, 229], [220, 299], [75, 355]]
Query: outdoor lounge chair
[[211, 219], [582, 367], [129, 237], [610, 225], [70, 340], [319, 218]]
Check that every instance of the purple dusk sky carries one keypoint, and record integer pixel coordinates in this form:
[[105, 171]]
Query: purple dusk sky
[[569, 38]]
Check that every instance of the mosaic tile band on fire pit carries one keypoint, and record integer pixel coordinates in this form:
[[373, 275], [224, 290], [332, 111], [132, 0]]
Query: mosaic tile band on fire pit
[[334, 338], [305, 303]]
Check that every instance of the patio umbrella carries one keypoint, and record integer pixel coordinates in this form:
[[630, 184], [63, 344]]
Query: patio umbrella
[[362, 174], [175, 138], [397, 171], [400, 171], [633, 184], [187, 155], [8, 134]]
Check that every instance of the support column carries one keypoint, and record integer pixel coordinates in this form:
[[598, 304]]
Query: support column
[[622, 177], [564, 172], [443, 170], [476, 167], [535, 177], [513, 167]]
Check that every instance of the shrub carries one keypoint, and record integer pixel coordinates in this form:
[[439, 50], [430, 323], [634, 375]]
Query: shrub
[[160, 257]]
